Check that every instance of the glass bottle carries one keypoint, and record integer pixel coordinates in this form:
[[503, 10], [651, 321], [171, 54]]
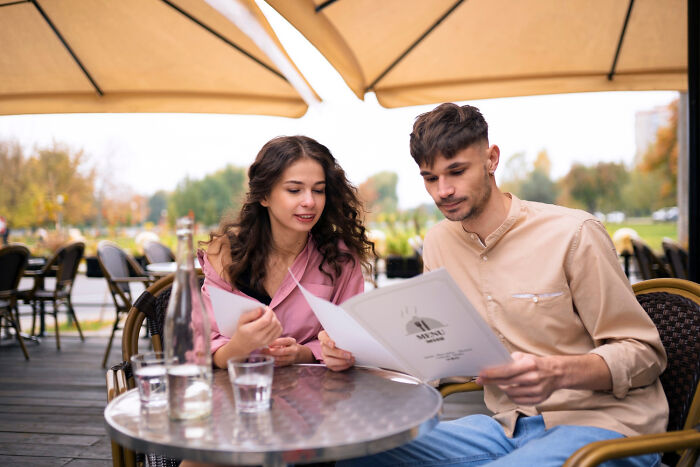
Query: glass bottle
[[187, 343]]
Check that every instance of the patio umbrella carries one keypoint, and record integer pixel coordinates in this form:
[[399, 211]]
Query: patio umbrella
[[411, 52], [63, 56]]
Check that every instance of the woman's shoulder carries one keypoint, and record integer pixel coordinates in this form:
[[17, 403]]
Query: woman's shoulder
[[218, 253]]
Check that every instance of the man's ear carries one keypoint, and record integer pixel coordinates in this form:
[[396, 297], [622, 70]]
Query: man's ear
[[494, 157]]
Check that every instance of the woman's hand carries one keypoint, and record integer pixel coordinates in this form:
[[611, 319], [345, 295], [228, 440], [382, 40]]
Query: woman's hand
[[256, 329], [287, 352], [336, 359]]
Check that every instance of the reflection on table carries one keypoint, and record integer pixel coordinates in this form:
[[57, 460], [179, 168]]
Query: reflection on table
[[163, 269], [316, 415]]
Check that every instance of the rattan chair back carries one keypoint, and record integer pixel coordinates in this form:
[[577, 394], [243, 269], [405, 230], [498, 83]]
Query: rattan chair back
[[13, 260], [677, 258], [674, 306], [649, 265], [156, 252], [119, 270]]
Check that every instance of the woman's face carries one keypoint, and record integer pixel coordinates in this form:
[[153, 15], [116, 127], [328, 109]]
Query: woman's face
[[296, 201]]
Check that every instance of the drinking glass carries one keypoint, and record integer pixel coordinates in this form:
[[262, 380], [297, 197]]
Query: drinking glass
[[150, 374], [251, 378]]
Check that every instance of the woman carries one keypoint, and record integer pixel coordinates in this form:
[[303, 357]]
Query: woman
[[302, 214]]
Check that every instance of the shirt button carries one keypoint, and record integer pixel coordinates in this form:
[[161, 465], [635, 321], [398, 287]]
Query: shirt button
[[535, 299], [489, 298], [473, 236], [485, 258]]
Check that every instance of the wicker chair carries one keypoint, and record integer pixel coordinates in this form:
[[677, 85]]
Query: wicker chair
[[120, 270], [649, 265], [156, 252], [677, 258], [13, 260], [674, 306], [64, 266], [151, 306]]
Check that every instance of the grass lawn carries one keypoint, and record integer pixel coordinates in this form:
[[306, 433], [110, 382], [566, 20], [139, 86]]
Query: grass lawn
[[652, 233]]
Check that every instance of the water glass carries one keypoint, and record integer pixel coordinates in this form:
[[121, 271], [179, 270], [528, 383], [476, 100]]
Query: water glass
[[251, 378], [150, 374]]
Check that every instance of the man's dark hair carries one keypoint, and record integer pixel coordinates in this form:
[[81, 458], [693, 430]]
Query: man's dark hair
[[445, 131]]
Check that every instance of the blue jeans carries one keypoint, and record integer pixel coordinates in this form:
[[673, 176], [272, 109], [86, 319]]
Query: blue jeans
[[479, 440]]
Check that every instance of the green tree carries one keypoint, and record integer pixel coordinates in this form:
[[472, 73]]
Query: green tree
[[538, 187], [210, 198], [39, 189], [157, 203]]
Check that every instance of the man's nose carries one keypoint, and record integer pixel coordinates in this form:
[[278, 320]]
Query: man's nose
[[445, 189]]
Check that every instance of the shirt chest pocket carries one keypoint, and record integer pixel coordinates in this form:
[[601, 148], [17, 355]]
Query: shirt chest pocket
[[544, 317]]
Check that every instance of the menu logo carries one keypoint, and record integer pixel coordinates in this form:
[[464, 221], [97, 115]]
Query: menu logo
[[427, 330]]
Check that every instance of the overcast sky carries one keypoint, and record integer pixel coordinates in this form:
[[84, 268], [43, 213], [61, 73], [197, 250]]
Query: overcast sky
[[364, 137]]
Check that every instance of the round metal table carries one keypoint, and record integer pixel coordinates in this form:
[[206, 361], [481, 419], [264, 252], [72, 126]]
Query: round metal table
[[163, 269], [316, 415]]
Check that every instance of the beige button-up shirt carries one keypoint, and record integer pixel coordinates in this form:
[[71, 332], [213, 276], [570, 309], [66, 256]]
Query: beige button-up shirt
[[548, 282]]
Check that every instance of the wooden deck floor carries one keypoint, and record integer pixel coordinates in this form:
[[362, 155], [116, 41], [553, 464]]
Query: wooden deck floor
[[51, 406]]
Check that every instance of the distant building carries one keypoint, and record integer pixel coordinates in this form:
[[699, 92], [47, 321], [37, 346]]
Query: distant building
[[646, 124]]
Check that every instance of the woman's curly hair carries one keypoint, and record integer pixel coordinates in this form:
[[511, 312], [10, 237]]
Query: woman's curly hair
[[249, 235]]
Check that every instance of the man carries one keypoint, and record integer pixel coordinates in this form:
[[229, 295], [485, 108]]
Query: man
[[586, 357]]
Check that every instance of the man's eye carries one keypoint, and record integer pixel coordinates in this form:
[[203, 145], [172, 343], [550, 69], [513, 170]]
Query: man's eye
[[457, 172], [430, 179]]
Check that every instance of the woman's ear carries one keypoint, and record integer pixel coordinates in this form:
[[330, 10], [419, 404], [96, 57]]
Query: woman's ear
[[265, 203]]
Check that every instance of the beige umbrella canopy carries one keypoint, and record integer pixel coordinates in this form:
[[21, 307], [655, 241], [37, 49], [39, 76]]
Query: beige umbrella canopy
[[413, 52], [63, 56]]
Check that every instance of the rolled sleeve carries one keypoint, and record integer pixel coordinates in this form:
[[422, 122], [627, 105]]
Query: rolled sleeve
[[624, 335], [315, 347]]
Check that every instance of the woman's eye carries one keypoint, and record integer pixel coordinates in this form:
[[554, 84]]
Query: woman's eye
[[292, 190], [320, 192]]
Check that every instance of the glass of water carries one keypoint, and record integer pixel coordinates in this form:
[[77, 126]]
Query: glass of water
[[150, 374], [251, 378]]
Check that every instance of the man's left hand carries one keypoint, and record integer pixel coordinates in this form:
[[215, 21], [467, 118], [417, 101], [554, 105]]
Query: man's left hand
[[527, 380]]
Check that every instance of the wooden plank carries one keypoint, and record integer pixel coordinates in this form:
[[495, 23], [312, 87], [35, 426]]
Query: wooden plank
[[24, 461], [58, 428], [75, 440], [52, 402], [32, 409]]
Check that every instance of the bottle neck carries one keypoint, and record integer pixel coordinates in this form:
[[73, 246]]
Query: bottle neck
[[184, 256]]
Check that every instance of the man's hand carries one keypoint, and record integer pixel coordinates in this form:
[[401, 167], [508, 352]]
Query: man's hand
[[287, 352], [336, 359], [529, 379]]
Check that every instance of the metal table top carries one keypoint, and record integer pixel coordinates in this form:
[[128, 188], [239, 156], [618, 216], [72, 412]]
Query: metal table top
[[316, 415]]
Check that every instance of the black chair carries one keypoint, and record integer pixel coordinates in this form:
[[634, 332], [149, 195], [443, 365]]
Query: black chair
[[156, 252], [648, 264], [63, 265], [677, 258], [674, 306], [13, 260], [119, 269]]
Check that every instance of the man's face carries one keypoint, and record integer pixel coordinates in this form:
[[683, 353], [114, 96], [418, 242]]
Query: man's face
[[460, 186]]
